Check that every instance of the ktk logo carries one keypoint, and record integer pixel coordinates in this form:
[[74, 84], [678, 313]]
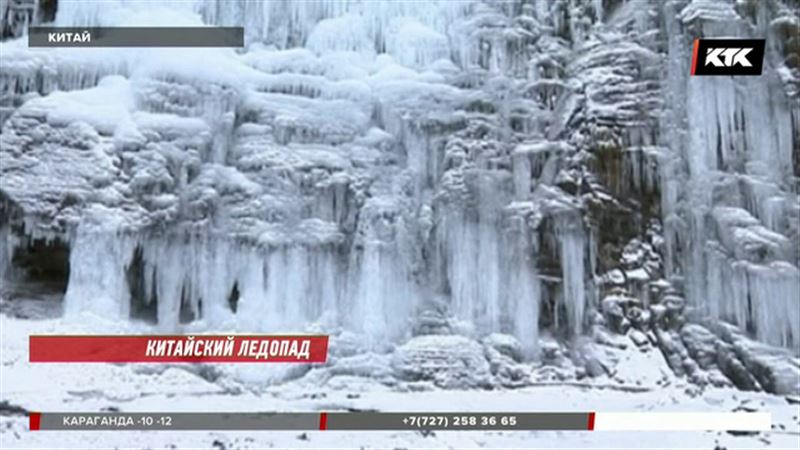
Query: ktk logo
[[728, 56]]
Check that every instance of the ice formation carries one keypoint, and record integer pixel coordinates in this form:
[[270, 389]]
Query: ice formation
[[363, 164]]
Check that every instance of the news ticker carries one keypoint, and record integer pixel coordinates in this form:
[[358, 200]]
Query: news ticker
[[201, 348], [409, 421], [136, 37]]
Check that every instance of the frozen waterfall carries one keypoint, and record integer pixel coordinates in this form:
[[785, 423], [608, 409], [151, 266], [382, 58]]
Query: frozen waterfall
[[363, 166]]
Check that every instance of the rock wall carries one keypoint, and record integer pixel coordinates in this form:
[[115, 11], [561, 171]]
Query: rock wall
[[400, 168]]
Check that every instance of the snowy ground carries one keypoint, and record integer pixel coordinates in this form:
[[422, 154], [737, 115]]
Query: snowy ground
[[149, 388]]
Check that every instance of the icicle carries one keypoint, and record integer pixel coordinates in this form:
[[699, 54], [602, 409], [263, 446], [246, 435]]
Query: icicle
[[380, 295], [253, 308], [726, 288], [415, 142], [522, 175], [524, 294], [474, 248], [598, 10], [774, 293], [374, 275], [573, 254], [728, 122], [167, 263], [97, 276], [6, 252]]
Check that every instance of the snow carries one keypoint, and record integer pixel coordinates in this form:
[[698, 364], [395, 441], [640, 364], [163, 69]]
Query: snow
[[708, 10], [341, 34], [448, 361], [307, 112], [101, 107], [146, 388], [414, 44]]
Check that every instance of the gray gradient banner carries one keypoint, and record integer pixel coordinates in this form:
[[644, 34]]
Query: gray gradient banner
[[136, 37]]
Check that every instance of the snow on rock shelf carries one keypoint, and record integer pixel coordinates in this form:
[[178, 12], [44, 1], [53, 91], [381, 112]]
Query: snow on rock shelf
[[468, 184]]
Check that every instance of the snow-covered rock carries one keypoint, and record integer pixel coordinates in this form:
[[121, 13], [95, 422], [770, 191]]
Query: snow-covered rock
[[448, 361]]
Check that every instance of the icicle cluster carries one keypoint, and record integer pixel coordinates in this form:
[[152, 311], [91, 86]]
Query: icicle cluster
[[363, 163]]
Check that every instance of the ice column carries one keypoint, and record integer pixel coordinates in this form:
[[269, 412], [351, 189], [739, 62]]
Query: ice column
[[573, 254], [97, 277], [524, 296]]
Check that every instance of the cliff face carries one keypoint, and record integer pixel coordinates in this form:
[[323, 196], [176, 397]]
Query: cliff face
[[394, 169]]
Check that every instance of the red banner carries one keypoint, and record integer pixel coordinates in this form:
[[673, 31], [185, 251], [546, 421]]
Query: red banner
[[178, 348]]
